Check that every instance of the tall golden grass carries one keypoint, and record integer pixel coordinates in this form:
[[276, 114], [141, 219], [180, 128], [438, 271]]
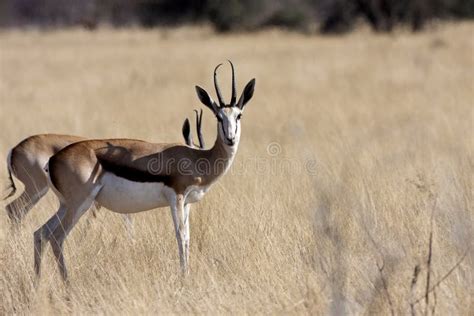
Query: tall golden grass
[[351, 148]]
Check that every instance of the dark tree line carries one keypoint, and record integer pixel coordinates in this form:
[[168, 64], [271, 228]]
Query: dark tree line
[[384, 15], [330, 16]]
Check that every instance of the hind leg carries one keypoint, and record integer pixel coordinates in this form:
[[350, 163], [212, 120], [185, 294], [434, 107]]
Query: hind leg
[[73, 213], [43, 234], [36, 186], [18, 208]]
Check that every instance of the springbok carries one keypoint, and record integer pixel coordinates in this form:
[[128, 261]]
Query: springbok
[[128, 176], [26, 161]]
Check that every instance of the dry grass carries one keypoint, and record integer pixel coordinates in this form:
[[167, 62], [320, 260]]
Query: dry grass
[[387, 119]]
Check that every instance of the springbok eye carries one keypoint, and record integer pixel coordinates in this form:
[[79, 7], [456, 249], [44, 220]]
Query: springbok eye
[[239, 116]]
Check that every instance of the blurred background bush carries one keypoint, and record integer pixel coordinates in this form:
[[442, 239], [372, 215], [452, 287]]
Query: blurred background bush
[[326, 16]]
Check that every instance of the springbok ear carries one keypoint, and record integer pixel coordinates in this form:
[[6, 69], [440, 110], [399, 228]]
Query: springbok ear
[[206, 99], [247, 94], [187, 133]]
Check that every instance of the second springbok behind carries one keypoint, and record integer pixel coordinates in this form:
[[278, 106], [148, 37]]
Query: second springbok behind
[[129, 176]]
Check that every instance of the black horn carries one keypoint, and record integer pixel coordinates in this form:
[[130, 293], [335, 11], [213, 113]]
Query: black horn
[[218, 90], [234, 86]]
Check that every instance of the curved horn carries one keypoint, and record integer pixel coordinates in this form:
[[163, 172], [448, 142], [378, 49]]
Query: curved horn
[[234, 86], [218, 90]]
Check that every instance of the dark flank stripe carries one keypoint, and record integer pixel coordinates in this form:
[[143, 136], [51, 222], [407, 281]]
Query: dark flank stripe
[[133, 174]]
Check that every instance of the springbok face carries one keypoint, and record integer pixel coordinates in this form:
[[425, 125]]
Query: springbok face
[[228, 115], [229, 124]]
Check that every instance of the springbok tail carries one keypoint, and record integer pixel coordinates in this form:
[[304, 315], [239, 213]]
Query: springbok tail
[[12, 186]]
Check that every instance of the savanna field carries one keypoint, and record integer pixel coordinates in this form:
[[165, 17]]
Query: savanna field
[[354, 150]]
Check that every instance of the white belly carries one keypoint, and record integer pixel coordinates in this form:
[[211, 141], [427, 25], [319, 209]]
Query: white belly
[[124, 196]]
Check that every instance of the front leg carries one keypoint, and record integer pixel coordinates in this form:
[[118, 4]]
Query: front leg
[[187, 236], [178, 213]]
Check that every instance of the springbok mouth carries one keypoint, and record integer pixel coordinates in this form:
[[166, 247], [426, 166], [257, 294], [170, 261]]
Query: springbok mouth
[[229, 142]]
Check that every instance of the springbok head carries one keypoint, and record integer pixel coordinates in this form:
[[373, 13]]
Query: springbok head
[[228, 115]]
